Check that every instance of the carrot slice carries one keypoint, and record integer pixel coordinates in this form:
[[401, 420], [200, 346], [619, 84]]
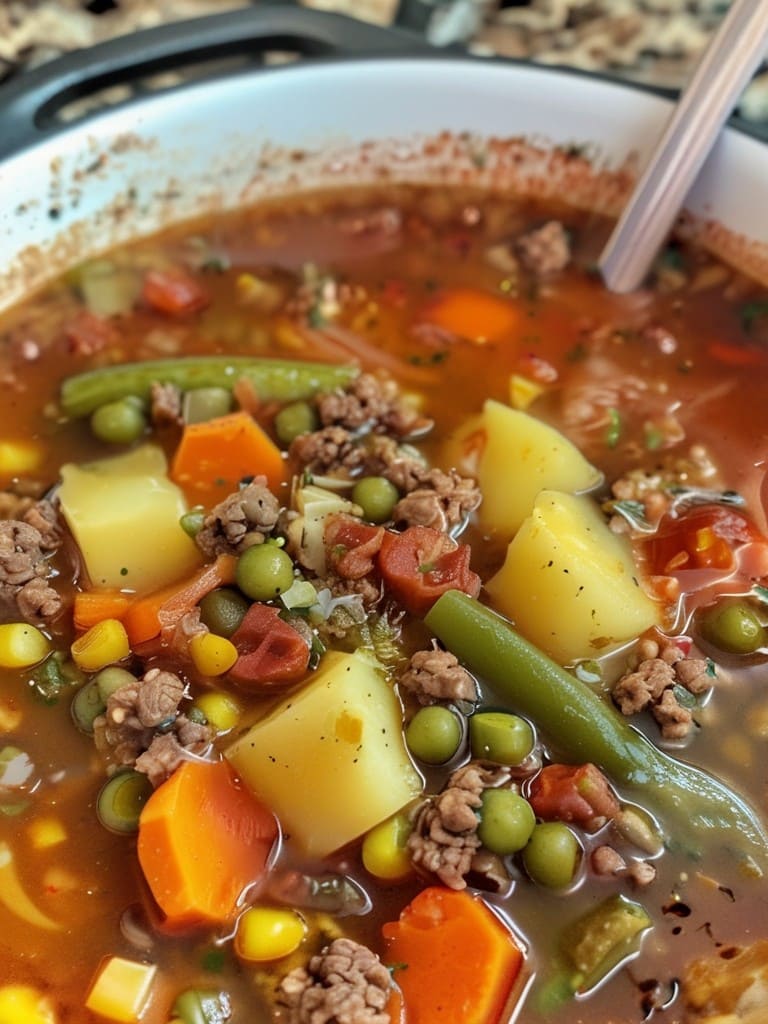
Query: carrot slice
[[453, 958], [161, 610], [214, 456], [93, 606], [474, 314], [203, 840]]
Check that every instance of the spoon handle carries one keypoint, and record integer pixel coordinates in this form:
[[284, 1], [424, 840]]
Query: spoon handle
[[728, 63]]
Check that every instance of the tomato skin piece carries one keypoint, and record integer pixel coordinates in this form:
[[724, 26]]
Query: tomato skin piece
[[272, 655], [173, 292], [705, 537], [421, 564], [352, 545], [574, 793]]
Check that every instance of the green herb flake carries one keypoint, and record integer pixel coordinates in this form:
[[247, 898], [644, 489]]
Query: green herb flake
[[613, 431], [213, 961]]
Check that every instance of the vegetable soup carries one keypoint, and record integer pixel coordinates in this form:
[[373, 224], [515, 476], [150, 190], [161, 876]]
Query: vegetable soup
[[384, 626]]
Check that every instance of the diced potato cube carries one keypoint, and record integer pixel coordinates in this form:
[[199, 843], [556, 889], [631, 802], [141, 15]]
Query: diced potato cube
[[124, 513], [569, 583], [121, 989], [45, 832], [22, 1004], [330, 760], [19, 457], [521, 457]]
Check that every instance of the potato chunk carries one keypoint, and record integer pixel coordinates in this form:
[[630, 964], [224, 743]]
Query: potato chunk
[[330, 760], [569, 583], [124, 513]]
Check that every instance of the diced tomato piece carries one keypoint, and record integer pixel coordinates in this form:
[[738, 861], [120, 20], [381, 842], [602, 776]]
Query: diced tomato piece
[[420, 564], [705, 537], [87, 333], [577, 793], [352, 545], [174, 292], [271, 653]]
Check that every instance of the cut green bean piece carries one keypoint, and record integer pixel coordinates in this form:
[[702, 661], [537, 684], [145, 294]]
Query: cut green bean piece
[[87, 705], [582, 727], [201, 1006], [121, 800], [281, 380], [599, 941]]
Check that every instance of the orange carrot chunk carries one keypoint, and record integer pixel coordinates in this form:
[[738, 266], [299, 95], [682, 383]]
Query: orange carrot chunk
[[474, 314], [214, 456], [93, 606], [453, 959], [203, 840]]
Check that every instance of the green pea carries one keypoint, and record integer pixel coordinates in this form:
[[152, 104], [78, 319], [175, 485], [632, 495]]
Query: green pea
[[433, 734], [203, 404], [111, 679], [223, 610], [377, 497], [552, 855], [506, 821], [192, 522], [293, 420], [500, 737], [119, 422], [121, 800], [87, 705], [264, 572], [734, 627]]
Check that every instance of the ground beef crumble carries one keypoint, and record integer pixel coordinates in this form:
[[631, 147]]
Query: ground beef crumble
[[165, 405], [371, 403], [658, 666], [546, 249], [434, 675], [242, 520], [142, 726], [344, 984], [25, 571]]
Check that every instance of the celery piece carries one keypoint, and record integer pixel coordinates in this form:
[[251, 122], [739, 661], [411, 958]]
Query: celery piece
[[583, 727], [280, 380], [597, 942]]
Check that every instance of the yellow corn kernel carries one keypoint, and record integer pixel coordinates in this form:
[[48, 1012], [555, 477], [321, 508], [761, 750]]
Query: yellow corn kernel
[[385, 854], [212, 655], [268, 933], [523, 391], [221, 709], [10, 717], [103, 644], [22, 645], [19, 457], [120, 989], [45, 832], [22, 1004]]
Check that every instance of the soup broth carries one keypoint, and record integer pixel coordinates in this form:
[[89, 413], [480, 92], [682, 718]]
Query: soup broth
[[265, 535]]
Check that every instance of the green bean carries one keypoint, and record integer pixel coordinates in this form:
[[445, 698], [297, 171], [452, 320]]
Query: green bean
[[223, 610], [112, 678], [264, 571], [294, 420], [552, 855], [377, 497], [500, 737], [734, 627], [433, 734], [201, 1006], [119, 422], [279, 380], [583, 727], [121, 800], [506, 821]]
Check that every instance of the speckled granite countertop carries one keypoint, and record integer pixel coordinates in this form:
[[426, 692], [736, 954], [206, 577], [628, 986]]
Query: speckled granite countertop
[[654, 41]]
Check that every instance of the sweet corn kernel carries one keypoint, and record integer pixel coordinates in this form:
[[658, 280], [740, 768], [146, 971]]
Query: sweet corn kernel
[[103, 644], [384, 852], [10, 717], [212, 655], [19, 457], [267, 933], [523, 391], [45, 832], [120, 989], [22, 1004], [222, 710], [22, 645]]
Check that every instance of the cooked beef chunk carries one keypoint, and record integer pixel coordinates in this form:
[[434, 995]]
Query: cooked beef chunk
[[345, 984], [139, 715], [402, 466], [674, 720], [437, 675], [45, 519], [242, 520], [370, 403], [444, 840], [329, 450], [637, 690], [164, 404], [24, 571], [546, 249], [442, 501]]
